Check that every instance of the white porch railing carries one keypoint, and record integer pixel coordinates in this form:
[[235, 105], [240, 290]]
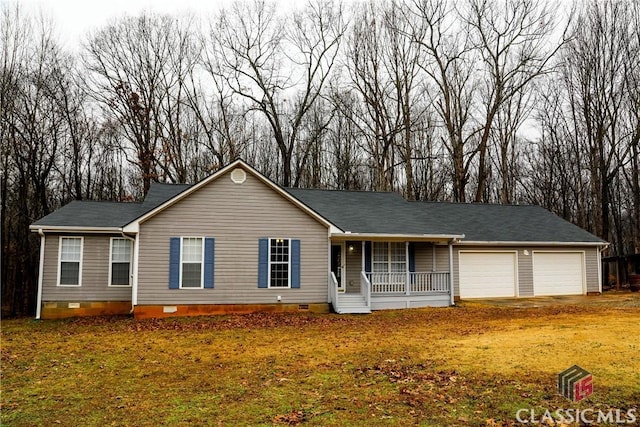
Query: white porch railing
[[333, 289], [365, 288], [429, 282], [408, 283]]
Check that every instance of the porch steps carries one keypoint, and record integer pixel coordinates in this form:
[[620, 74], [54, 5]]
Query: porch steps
[[351, 304]]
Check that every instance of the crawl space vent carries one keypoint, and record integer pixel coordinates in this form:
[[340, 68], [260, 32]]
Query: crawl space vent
[[238, 176]]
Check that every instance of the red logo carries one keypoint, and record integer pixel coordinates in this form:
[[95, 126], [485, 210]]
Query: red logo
[[575, 383]]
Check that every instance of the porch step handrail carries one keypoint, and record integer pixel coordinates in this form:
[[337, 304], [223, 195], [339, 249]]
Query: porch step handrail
[[333, 290], [365, 289]]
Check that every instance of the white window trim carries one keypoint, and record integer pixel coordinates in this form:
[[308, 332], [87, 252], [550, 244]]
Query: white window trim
[[111, 262], [60, 238], [269, 265], [388, 261], [201, 262]]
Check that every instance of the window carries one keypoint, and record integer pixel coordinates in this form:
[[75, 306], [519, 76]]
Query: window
[[191, 262], [389, 257], [70, 261], [279, 263], [120, 271]]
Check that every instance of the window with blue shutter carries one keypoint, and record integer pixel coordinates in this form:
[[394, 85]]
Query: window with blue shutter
[[263, 263], [412, 260], [191, 262], [367, 257], [295, 263], [174, 263], [209, 261], [412, 257], [278, 263]]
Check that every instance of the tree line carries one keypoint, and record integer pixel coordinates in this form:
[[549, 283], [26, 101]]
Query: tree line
[[505, 101]]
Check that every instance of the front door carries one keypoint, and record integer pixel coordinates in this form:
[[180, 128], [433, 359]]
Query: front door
[[337, 264]]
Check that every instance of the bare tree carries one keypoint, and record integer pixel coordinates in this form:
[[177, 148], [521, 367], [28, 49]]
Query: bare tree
[[449, 65], [137, 69], [278, 67]]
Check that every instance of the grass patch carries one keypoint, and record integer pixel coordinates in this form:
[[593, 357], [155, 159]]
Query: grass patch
[[469, 365]]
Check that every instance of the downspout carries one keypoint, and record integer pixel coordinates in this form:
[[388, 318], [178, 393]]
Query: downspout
[[40, 274], [600, 250], [451, 270], [134, 270]]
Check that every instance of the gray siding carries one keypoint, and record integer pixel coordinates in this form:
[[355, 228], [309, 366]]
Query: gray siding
[[236, 215], [95, 272], [525, 265], [354, 266], [424, 257]]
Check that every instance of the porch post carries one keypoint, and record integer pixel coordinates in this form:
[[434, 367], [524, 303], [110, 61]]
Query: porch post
[[407, 286], [363, 262], [450, 244]]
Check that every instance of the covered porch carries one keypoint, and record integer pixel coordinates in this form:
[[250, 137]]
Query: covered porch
[[384, 272]]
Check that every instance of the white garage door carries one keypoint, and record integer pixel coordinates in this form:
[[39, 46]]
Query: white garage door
[[558, 273], [487, 274]]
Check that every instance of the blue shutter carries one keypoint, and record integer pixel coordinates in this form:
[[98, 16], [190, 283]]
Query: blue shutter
[[209, 261], [295, 263], [263, 263], [367, 257], [174, 263], [412, 257]]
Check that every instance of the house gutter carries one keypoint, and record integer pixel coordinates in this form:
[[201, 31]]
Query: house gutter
[[347, 235], [40, 274], [134, 278], [69, 229], [450, 245], [527, 243]]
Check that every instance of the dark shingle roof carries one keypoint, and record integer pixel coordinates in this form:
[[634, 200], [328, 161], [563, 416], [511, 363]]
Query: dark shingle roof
[[82, 213], [363, 212], [369, 212], [504, 223], [160, 193], [389, 213]]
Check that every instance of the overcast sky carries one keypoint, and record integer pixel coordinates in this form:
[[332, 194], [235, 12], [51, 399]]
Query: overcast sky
[[74, 18]]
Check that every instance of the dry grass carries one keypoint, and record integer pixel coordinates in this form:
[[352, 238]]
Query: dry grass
[[470, 365]]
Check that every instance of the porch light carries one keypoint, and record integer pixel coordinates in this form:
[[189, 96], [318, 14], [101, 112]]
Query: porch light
[[351, 248]]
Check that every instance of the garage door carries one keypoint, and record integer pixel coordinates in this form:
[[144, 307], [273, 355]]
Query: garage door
[[558, 273], [487, 274]]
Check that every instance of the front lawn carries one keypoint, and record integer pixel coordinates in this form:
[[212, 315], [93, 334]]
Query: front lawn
[[469, 365]]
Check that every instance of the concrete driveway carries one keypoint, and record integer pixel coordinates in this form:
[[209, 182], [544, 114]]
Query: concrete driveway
[[608, 298]]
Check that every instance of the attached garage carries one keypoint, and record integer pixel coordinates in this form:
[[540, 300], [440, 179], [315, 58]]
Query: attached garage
[[488, 274], [558, 273]]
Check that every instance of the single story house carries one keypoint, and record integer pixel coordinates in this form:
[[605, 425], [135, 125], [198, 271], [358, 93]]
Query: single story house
[[238, 242]]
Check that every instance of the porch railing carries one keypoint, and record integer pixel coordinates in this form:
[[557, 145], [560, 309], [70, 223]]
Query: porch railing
[[429, 282], [333, 289], [365, 288], [408, 283]]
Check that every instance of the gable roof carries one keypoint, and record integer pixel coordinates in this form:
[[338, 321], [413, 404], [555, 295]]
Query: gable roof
[[134, 225], [363, 213]]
